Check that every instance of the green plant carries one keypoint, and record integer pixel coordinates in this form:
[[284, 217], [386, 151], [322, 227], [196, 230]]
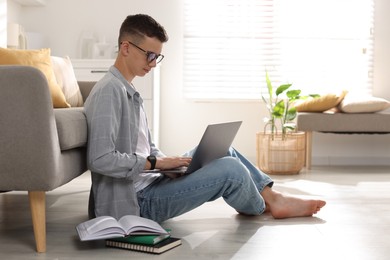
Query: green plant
[[279, 106]]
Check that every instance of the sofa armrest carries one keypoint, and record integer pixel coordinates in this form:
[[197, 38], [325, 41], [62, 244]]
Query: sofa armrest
[[29, 146], [85, 88]]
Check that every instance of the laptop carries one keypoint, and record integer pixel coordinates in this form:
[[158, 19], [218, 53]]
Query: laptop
[[214, 144]]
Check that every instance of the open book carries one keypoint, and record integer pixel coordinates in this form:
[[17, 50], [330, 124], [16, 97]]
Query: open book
[[108, 227]]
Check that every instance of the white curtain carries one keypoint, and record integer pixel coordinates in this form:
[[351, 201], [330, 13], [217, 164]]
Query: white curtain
[[320, 46]]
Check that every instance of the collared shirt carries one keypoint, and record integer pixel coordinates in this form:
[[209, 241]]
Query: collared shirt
[[112, 110]]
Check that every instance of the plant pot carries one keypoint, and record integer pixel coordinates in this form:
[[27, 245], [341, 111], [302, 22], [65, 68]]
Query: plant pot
[[278, 156]]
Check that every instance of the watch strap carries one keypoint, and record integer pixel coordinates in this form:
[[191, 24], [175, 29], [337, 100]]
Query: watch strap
[[152, 159]]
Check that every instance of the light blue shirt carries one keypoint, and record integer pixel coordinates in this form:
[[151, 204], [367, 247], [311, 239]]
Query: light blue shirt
[[112, 110]]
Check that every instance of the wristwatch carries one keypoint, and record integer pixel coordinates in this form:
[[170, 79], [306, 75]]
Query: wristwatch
[[152, 159]]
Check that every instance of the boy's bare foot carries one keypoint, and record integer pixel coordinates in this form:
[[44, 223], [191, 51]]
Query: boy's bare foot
[[283, 206]]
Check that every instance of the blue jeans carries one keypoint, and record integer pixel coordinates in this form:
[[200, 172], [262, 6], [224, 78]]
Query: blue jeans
[[232, 177]]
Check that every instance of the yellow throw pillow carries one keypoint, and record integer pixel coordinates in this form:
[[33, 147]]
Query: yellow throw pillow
[[320, 104], [39, 59]]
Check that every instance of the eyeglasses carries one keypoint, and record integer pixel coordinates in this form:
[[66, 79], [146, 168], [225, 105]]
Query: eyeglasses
[[150, 56]]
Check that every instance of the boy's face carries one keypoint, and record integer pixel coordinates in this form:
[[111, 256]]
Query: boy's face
[[139, 55]]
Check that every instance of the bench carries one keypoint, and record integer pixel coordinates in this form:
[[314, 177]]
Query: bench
[[340, 123]]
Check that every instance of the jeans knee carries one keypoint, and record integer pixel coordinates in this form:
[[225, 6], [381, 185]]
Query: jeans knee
[[232, 166]]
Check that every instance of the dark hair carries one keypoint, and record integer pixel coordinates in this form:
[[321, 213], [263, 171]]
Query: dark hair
[[140, 25]]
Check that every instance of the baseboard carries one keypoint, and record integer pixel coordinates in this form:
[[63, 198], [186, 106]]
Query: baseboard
[[339, 160]]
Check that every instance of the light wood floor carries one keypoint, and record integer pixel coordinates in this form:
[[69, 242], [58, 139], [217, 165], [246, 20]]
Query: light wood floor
[[355, 224]]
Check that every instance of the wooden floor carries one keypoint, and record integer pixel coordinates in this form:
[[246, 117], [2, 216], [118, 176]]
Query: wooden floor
[[355, 224]]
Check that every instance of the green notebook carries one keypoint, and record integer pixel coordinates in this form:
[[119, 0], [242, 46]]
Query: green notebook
[[142, 239]]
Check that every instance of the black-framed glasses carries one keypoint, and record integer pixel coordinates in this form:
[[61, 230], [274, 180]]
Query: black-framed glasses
[[150, 56]]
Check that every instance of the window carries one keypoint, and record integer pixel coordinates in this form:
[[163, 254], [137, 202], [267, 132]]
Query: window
[[319, 46]]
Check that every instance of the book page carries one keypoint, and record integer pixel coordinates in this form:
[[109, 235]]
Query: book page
[[134, 224], [104, 223], [99, 228]]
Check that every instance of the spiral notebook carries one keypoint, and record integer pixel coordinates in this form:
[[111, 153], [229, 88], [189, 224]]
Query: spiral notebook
[[158, 248]]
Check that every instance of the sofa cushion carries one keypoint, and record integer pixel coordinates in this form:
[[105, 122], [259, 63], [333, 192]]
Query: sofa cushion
[[320, 104], [71, 127], [41, 60], [363, 104], [66, 79], [344, 122]]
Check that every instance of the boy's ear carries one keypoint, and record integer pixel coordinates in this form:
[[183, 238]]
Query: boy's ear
[[124, 48]]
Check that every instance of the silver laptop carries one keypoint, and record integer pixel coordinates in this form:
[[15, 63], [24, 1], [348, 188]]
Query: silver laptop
[[214, 144]]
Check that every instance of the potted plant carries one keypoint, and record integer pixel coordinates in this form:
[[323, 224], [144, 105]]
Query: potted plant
[[280, 108], [280, 149]]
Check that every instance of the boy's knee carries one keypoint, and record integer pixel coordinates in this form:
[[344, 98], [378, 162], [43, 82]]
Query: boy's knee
[[232, 165]]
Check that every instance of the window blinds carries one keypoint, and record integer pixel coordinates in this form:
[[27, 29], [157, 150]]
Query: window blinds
[[319, 46]]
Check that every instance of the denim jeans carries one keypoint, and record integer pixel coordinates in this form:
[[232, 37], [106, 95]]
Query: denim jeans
[[232, 177]]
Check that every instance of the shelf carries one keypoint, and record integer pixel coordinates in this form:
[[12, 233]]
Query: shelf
[[92, 63]]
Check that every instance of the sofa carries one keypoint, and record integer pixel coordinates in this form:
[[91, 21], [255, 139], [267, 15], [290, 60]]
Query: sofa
[[41, 147]]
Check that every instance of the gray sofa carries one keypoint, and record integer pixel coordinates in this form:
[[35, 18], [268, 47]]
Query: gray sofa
[[41, 148]]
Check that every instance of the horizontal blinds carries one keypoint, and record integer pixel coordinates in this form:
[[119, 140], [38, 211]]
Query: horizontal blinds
[[318, 46]]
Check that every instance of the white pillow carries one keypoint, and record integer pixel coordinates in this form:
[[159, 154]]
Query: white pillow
[[66, 78], [357, 104]]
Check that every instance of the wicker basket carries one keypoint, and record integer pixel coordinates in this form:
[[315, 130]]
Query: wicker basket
[[277, 156]]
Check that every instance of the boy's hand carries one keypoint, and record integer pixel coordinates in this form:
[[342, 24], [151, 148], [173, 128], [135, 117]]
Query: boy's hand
[[166, 163]]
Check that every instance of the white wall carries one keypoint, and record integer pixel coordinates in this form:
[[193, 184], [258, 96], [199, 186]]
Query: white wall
[[3, 23], [13, 11], [183, 121], [382, 50]]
